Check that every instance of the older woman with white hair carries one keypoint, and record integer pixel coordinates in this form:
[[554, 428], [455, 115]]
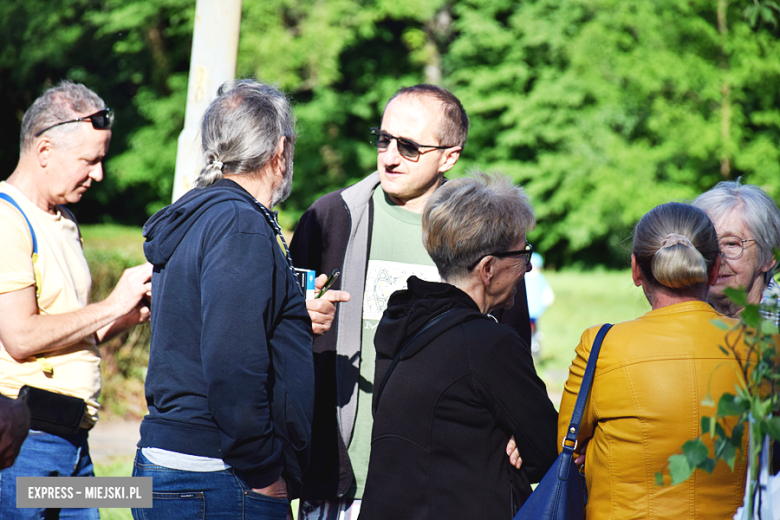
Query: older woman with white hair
[[747, 221], [452, 385]]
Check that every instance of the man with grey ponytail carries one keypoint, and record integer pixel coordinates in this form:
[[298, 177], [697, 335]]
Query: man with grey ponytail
[[230, 379], [653, 375], [248, 143], [49, 330]]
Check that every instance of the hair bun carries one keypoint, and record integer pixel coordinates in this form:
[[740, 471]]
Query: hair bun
[[676, 245], [673, 239], [678, 267]]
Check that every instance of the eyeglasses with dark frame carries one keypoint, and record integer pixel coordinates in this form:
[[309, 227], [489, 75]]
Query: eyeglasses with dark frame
[[101, 120], [406, 147], [733, 247], [527, 252]]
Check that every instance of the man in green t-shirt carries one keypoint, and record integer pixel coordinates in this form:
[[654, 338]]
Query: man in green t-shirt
[[372, 232]]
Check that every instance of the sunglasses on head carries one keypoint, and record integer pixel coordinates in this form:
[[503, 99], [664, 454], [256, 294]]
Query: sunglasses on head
[[406, 147], [101, 120]]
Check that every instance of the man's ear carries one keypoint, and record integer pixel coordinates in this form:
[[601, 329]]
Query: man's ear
[[449, 158], [280, 162], [43, 152]]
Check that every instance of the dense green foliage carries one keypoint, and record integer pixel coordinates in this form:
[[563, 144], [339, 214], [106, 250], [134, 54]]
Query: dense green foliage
[[601, 108], [135, 55], [606, 108]]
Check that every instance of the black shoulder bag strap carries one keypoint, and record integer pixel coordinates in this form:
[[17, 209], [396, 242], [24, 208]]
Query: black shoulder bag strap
[[582, 396], [433, 321]]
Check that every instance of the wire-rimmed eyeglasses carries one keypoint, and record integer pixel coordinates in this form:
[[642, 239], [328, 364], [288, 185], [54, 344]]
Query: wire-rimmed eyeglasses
[[733, 247]]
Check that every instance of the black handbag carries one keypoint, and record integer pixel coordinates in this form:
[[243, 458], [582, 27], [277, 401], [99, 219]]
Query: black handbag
[[51, 412], [561, 495]]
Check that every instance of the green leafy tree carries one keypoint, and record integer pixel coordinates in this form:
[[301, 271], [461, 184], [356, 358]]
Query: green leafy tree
[[136, 56], [151, 46], [604, 109], [601, 108]]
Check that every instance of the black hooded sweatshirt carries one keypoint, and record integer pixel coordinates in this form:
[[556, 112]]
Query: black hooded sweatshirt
[[230, 373], [443, 419]]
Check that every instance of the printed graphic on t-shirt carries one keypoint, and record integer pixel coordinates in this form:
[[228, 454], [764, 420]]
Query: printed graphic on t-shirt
[[384, 278]]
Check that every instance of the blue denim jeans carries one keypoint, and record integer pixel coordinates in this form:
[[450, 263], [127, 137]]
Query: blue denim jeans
[[47, 455], [203, 495]]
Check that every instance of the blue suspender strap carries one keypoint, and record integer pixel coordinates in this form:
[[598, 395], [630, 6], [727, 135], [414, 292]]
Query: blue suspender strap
[[8, 198], [46, 367], [582, 397], [36, 269]]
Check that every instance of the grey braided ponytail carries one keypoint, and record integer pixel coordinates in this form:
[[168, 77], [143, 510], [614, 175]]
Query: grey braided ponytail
[[242, 128]]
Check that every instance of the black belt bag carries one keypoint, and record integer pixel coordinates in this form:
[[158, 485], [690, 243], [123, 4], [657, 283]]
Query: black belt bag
[[51, 412]]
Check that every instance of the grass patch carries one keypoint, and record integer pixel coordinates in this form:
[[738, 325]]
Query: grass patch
[[125, 240], [582, 300]]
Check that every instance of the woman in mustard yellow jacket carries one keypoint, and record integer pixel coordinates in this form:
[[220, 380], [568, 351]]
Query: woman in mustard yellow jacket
[[651, 378]]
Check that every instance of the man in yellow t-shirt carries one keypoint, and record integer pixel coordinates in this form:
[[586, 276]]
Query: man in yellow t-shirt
[[49, 330]]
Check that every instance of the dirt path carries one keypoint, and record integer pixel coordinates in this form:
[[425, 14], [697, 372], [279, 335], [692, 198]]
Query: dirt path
[[112, 440]]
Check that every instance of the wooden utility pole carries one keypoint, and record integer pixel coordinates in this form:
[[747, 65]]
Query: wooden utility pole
[[213, 61]]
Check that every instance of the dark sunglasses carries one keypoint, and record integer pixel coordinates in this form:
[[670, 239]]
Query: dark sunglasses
[[527, 252], [101, 120], [406, 147]]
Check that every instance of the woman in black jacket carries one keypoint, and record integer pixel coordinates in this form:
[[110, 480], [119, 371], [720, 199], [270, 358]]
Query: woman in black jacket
[[452, 385]]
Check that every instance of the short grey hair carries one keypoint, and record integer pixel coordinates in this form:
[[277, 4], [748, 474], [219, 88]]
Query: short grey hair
[[453, 129], [66, 101], [756, 209], [473, 216], [242, 128], [666, 259]]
